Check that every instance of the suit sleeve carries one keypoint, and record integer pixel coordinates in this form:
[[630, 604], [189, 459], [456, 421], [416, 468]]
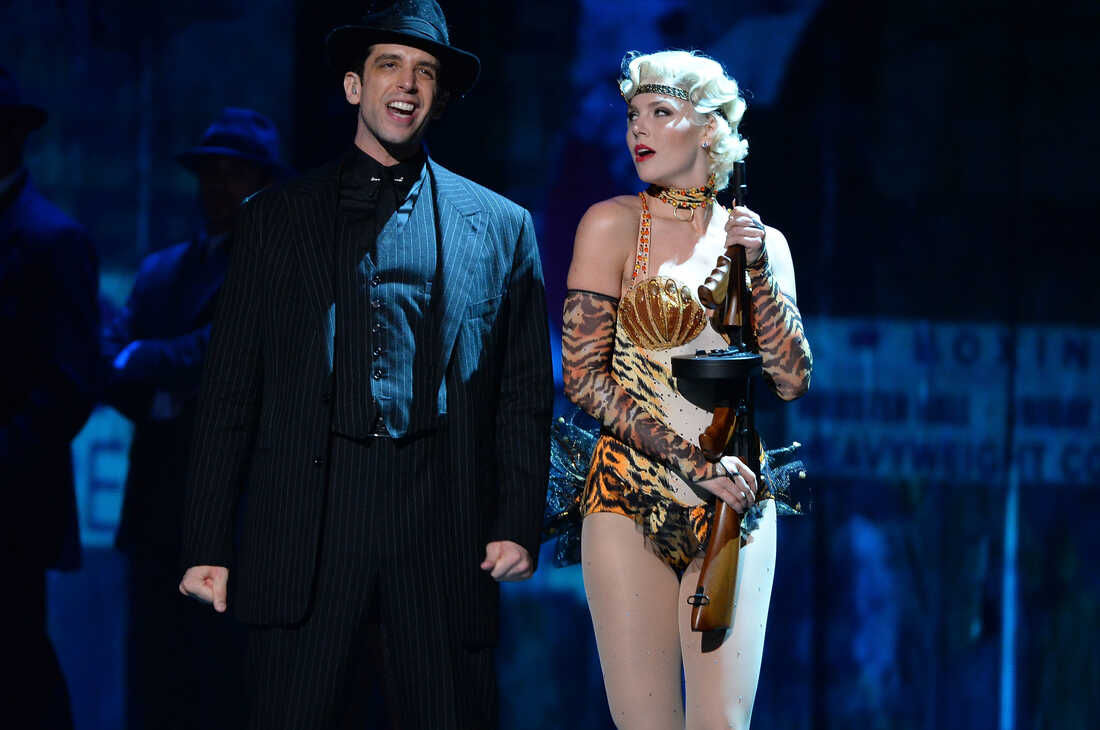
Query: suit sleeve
[[525, 404], [229, 403], [121, 329], [127, 397], [167, 363], [67, 374], [171, 364]]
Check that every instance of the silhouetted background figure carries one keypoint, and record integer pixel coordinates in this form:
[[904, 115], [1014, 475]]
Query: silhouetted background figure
[[50, 319], [379, 388], [183, 662]]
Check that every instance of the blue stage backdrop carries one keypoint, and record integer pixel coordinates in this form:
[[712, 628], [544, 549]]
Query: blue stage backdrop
[[933, 166]]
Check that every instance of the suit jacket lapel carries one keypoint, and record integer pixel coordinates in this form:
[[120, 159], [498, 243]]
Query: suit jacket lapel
[[313, 208], [461, 232], [461, 225]]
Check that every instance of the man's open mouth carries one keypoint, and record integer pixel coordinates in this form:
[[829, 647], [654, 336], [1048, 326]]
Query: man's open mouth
[[401, 108]]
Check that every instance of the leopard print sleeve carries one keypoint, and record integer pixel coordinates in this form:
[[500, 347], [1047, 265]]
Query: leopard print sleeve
[[588, 341], [779, 335]]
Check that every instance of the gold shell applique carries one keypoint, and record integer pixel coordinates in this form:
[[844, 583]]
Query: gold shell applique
[[659, 313]]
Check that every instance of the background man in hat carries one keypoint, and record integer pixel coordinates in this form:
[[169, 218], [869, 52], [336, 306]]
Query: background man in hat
[[379, 386], [50, 319], [178, 654]]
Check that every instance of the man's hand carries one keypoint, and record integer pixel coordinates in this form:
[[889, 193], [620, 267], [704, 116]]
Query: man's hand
[[207, 583], [506, 560]]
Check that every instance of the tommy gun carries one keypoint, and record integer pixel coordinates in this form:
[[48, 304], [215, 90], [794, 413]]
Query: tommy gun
[[726, 375]]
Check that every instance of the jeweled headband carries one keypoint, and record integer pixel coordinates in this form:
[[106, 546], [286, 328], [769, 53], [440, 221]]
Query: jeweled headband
[[674, 91]]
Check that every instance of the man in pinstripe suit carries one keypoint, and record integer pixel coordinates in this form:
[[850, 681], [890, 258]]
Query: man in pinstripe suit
[[375, 406]]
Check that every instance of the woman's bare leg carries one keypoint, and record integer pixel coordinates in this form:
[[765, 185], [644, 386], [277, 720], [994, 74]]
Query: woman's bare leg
[[632, 595], [722, 669]]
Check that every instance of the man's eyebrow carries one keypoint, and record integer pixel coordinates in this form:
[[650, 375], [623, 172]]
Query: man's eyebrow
[[433, 64]]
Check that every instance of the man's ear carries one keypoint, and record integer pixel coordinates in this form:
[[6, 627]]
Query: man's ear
[[353, 87]]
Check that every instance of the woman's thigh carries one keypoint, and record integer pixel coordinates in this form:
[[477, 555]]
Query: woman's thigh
[[722, 670], [632, 596]]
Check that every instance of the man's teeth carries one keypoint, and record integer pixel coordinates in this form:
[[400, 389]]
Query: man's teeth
[[401, 106]]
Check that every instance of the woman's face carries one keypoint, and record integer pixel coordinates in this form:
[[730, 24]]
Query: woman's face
[[664, 142]]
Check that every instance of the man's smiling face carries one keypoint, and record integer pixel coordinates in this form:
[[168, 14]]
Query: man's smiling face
[[396, 96]]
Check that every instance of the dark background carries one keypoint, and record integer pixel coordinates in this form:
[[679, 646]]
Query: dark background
[[933, 165]]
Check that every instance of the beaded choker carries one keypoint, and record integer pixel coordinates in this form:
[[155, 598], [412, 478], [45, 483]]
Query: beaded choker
[[685, 198]]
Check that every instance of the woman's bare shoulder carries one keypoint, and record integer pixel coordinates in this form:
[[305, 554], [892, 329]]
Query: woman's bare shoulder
[[611, 216], [605, 241]]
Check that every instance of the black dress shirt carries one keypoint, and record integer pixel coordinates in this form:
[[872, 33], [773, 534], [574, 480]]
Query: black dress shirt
[[370, 191]]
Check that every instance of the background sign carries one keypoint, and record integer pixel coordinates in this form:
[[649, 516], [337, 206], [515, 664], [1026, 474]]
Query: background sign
[[899, 399]]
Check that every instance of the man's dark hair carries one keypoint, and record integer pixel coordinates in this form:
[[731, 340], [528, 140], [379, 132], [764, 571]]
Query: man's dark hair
[[359, 68]]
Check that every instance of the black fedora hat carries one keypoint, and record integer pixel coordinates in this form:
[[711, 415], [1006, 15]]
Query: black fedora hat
[[13, 105], [416, 23], [243, 134]]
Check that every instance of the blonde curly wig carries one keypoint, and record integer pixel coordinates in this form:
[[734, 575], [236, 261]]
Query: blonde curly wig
[[709, 89]]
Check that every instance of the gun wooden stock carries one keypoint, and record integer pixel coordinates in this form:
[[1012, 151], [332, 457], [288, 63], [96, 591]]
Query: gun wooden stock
[[712, 603], [713, 609], [737, 307], [713, 441], [712, 292]]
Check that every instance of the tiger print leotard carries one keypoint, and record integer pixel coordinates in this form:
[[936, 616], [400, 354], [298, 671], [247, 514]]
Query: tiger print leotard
[[657, 318]]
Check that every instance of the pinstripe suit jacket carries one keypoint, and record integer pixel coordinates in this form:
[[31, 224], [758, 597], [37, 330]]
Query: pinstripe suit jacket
[[264, 418]]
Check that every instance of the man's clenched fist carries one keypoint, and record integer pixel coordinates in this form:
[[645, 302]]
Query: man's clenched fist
[[206, 583]]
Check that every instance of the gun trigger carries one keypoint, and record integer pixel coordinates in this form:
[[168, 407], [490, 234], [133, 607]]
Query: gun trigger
[[698, 599]]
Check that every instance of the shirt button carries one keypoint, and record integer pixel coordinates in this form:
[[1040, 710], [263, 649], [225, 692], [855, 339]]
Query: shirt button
[[318, 461], [376, 280], [378, 351], [376, 303], [379, 373], [376, 328]]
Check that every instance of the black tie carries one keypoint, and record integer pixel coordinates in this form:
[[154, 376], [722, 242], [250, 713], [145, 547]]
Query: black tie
[[387, 199]]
